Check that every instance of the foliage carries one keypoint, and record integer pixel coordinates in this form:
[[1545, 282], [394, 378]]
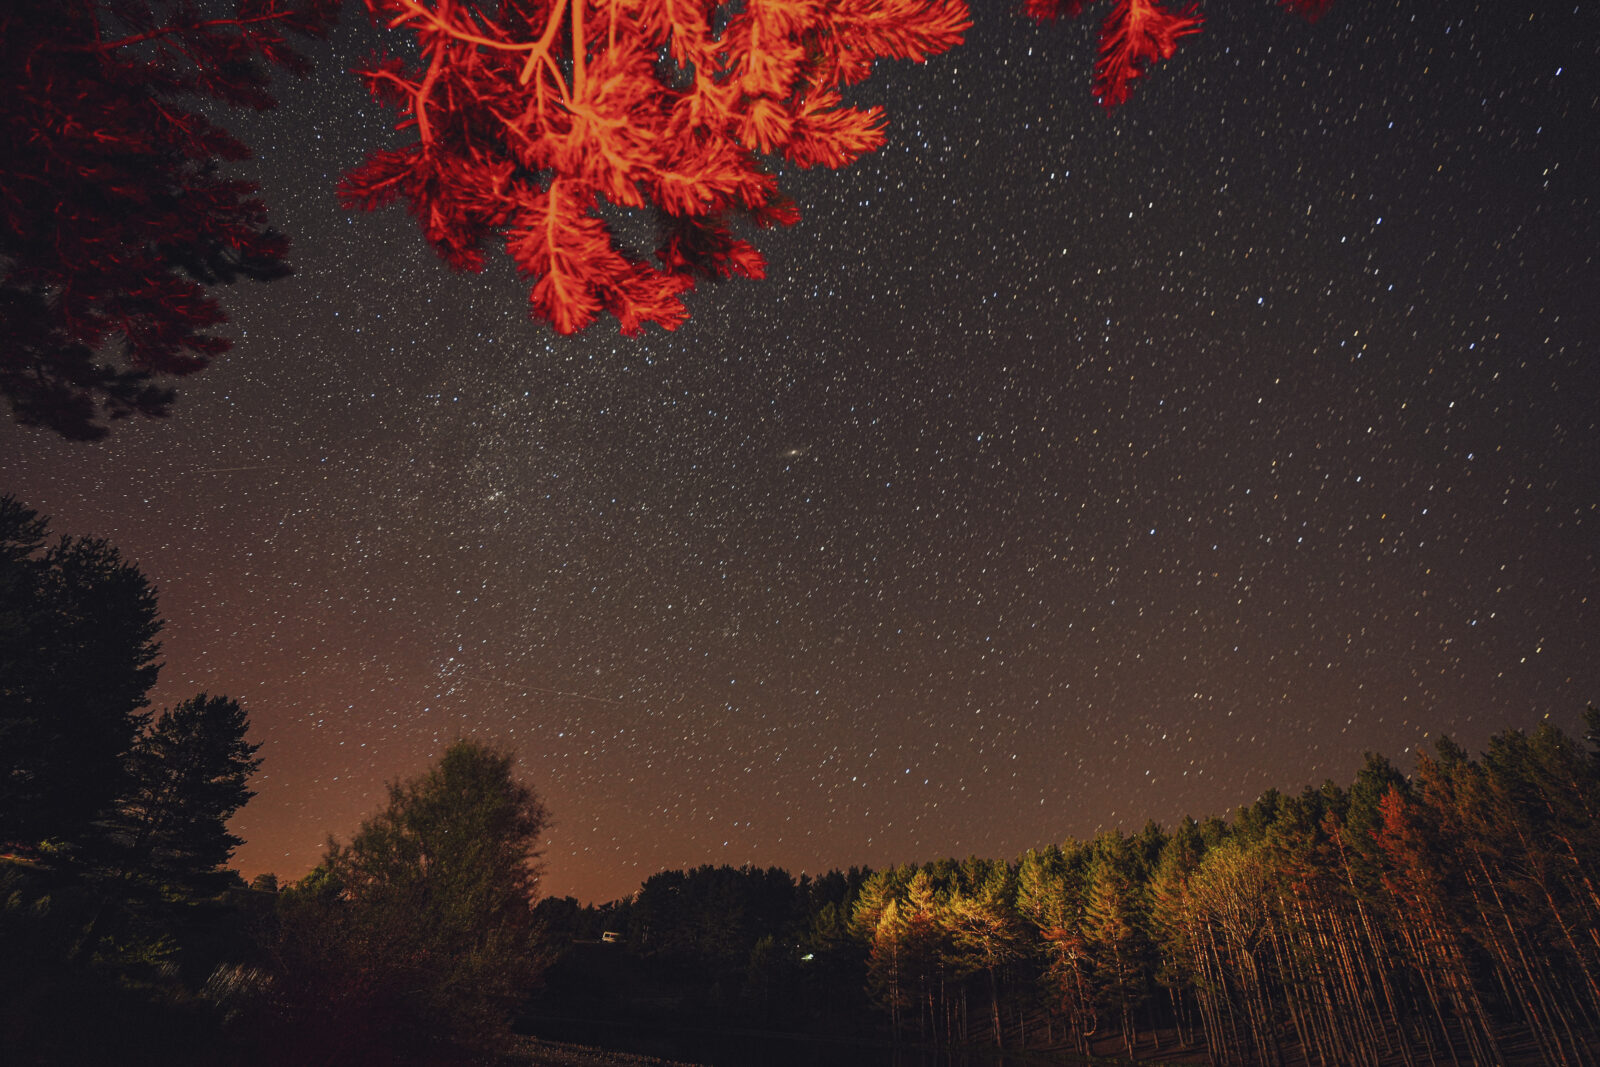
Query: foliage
[[94, 971], [421, 929], [545, 119], [536, 120], [115, 217], [113, 910], [1448, 916], [713, 947], [540, 122], [711, 917]]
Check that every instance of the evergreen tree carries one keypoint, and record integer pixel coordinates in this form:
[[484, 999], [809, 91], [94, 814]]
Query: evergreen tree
[[78, 654], [1114, 918], [1050, 899], [985, 935], [535, 120], [542, 120], [882, 923], [105, 945], [190, 775], [1137, 33]]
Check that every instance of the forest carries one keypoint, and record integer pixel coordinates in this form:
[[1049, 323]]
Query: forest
[[1448, 915], [124, 936], [1442, 916]]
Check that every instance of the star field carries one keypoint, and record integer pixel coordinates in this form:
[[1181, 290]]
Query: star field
[[1068, 470]]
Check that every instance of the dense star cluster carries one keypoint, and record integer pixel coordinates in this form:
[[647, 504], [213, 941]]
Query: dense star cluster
[[1068, 469]]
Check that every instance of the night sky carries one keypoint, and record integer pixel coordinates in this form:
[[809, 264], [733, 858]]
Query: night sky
[[1068, 471]]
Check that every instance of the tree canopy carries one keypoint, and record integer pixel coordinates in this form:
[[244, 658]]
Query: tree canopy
[[536, 122], [528, 122], [1449, 915], [190, 775], [113, 830], [1136, 33], [115, 217]]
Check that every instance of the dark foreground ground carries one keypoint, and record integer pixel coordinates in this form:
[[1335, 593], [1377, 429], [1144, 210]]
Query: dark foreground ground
[[786, 1050], [540, 1052], [537, 1052]]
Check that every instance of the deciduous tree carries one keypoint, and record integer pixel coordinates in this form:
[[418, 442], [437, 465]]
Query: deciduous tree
[[114, 216], [422, 927]]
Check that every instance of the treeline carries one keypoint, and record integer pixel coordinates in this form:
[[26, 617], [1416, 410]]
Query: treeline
[[715, 947], [1446, 917], [1449, 916]]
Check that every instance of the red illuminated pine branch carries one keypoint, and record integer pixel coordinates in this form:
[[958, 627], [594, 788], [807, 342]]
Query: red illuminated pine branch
[[534, 122], [1137, 33], [536, 118], [1050, 10]]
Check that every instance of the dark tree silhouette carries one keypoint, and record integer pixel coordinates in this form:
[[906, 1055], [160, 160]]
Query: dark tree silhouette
[[421, 929], [190, 775], [78, 654], [114, 218]]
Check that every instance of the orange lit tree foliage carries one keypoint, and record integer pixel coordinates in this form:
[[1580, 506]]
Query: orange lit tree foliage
[[534, 121]]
